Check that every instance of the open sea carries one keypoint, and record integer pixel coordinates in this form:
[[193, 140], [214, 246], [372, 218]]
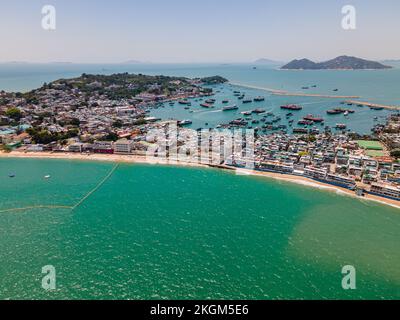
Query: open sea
[[159, 232]]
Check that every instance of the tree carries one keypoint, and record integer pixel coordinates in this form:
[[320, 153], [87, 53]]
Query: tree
[[395, 153], [14, 113]]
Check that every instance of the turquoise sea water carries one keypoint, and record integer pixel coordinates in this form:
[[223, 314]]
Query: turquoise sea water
[[165, 232], [154, 232], [379, 86]]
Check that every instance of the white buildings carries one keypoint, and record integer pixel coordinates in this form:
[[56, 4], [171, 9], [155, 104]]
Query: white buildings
[[123, 146]]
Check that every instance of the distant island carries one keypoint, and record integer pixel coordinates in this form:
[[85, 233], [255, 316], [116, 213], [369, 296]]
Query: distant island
[[339, 63], [267, 61]]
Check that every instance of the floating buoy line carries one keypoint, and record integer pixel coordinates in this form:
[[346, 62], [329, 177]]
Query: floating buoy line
[[79, 203]]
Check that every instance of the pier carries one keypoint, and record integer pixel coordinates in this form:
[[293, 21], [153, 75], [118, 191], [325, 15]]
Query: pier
[[372, 105], [293, 94]]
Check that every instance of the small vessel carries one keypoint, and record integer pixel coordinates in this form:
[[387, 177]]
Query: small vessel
[[184, 122], [11, 175], [346, 113], [334, 111], [185, 102], [247, 101], [206, 105], [259, 111], [376, 108], [47, 177], [305, 88], [340, 126], [246, 113], [335, 90], [210, 101], [225, 101], [230, 108], [291, 107], [259, 99], [312, 118]]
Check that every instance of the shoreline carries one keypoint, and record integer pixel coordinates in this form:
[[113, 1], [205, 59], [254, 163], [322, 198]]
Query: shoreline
[[135, 159]]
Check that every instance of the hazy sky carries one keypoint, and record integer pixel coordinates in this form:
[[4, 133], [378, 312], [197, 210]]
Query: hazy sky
[[197, 31]]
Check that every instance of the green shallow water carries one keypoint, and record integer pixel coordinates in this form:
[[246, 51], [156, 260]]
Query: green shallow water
[[154, 232]]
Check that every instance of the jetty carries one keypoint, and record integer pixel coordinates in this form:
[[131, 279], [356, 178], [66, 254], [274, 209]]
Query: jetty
[[294, 94], [372, 105]]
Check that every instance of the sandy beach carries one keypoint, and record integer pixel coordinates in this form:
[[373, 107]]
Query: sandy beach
[[158, 161]]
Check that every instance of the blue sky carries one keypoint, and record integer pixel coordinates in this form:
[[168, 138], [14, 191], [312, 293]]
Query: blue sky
[[196, 31]]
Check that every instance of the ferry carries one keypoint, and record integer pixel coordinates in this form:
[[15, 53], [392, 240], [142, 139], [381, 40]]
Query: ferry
[[229, 108], [310, 117], [291, 107]]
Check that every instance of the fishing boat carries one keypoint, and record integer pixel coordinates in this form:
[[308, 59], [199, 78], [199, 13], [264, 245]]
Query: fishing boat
[[300, 130], [259, 99], [246, 113], [291, 107], [310, 117], [258, 111], [184, 123], [340, 126], [230, 108], [334, 111]]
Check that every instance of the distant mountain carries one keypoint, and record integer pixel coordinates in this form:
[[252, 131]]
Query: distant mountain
[[132, 62], [339, 63], [267, 61]]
